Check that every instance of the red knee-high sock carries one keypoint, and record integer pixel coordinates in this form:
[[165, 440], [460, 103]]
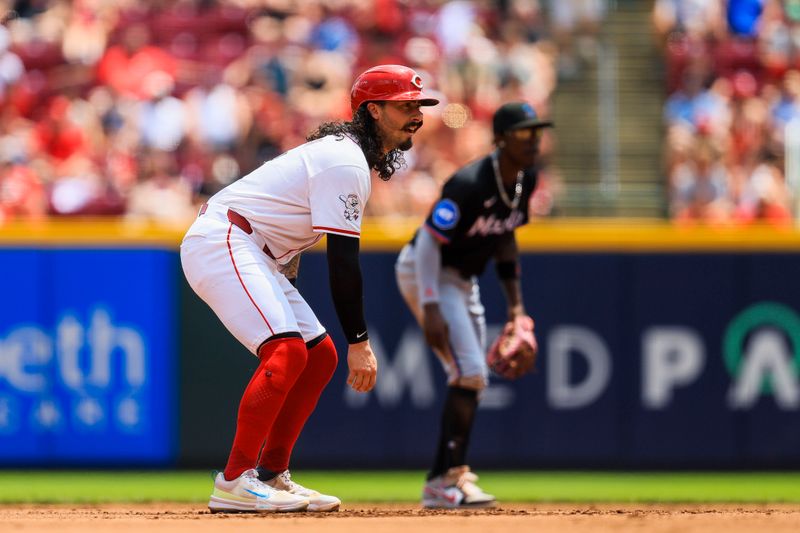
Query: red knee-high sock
[[282, 362], [299, 405]]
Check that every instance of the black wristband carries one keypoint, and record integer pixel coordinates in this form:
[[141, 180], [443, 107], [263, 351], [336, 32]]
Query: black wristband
[[507, 269], [358, 337]]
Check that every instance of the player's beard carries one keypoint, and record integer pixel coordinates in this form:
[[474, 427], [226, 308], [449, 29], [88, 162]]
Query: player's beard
[[408, 143]]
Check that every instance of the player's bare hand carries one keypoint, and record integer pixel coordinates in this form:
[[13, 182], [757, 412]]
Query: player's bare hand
[[363, 367], [437, 333]]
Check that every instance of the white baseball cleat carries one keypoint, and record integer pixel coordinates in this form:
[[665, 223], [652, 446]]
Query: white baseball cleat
[[316, 502], [455, 489], [247, 494]]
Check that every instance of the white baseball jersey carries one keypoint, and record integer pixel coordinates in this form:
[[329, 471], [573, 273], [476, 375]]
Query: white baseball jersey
[[291, 201]]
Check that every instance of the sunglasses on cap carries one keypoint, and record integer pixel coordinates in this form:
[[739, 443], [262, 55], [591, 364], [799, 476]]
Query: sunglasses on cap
[[525, 134]]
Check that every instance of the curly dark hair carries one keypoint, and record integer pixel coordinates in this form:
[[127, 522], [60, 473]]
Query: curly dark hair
[[363, 131]]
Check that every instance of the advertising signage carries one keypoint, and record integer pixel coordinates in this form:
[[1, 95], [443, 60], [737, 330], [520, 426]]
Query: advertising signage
[[87, 357]]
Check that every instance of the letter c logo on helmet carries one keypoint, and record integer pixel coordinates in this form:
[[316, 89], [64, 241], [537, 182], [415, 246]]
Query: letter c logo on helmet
[[388, 83]]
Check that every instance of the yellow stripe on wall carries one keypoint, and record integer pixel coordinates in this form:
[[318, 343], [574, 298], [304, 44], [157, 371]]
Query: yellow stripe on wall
[[388, 234], [91, 232], [624, 235]]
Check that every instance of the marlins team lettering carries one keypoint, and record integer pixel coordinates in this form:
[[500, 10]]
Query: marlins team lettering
[[351, 203], [492, 225]]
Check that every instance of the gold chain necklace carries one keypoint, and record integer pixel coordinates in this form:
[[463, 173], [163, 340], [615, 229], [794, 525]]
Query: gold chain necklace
[[502, 189]]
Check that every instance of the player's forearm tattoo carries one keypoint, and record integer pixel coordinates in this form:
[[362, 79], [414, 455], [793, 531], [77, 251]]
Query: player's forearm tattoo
[[291, 268]]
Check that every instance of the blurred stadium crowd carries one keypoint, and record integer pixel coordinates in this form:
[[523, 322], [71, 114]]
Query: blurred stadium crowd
[[733, 78], [145, 108]]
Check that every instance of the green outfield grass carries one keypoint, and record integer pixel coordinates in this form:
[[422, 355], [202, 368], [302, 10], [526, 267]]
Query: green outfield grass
[[379, 486]]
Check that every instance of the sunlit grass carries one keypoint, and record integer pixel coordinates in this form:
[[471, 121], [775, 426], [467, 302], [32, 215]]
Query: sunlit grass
[[43, 486]]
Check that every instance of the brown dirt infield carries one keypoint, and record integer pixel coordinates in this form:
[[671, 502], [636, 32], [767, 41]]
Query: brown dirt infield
[[406, 518]]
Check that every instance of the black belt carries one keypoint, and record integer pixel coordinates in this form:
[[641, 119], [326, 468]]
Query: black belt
[[240, 222]]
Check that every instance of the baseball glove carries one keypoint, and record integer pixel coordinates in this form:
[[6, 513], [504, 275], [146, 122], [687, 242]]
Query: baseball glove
[[513, 353]]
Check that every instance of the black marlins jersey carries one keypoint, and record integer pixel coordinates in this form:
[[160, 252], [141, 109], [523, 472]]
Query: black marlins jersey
[[471, 218]]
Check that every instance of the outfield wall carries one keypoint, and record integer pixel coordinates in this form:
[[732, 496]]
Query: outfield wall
[[660, 347]]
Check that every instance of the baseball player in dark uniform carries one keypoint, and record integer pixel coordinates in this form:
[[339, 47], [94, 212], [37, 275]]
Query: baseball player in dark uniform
[[474, 221]]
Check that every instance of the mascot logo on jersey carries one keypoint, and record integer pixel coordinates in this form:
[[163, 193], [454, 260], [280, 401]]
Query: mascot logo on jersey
[[351, 203]]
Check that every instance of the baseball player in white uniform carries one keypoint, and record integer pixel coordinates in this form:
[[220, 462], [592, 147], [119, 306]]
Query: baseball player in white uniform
[[241, 257]]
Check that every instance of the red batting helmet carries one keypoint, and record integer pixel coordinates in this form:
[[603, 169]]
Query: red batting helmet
[[388, 82]]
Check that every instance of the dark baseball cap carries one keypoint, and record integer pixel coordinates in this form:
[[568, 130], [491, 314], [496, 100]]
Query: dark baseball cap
[[517, 116]]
